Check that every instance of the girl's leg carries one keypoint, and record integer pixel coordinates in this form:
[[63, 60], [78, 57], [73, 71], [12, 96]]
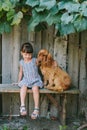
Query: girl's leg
[[23, 92], [35, 113], [35, 90]]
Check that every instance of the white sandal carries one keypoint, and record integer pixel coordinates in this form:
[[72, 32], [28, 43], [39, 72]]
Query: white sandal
[[23, 111], [35, 114]]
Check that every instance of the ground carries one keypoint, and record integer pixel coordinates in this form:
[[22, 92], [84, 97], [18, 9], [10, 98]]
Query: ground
[[26, 123]]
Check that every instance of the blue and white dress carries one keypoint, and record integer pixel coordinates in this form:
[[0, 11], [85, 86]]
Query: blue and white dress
[[31, 76]]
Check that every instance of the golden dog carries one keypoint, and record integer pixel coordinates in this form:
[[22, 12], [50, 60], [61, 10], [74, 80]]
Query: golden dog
[[54, 77]]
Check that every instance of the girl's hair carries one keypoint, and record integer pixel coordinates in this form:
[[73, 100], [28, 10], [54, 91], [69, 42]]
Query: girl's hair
[[27, 48]]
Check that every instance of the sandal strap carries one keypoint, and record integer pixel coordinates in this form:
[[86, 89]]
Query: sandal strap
[[22, 108], [37, 109], [34, 115]]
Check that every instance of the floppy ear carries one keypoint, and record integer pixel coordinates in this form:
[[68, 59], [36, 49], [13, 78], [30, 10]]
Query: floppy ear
[[42, 55], [49, 57]]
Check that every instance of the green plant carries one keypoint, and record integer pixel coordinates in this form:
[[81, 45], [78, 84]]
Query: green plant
[[68, 16], [25, 128], [64, 127]]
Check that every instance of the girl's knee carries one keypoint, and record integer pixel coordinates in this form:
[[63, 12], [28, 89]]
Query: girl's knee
[[24, 87], [35, 88]]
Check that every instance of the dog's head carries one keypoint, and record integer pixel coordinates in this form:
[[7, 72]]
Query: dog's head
[[45, 58], [42, 55]]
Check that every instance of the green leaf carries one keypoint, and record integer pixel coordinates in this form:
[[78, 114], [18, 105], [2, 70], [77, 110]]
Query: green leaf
[[69, 6], [66, 18], [7, 27], [0, 6], [80, 24], [4, 27], [6, 5], [1, 14], [39, 9], [32, 3], [1, 28], [10, 14], [53, 19], [54, 10], [47, 4], [40, 26], [17, 18], [67, 29], [41, 16], [83, 9]]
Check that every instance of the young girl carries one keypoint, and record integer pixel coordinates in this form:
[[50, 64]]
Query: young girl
[[29, 78]]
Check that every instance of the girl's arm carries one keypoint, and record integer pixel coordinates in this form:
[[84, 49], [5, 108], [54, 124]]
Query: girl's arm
[[20, 73]]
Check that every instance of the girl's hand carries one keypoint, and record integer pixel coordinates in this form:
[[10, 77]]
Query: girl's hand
[[15, 84]]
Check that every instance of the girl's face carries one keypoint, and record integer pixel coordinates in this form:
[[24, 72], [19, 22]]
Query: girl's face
[[26, 56]]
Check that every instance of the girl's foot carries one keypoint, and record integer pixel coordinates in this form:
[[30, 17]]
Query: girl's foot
[[35, 114], [23, 111]]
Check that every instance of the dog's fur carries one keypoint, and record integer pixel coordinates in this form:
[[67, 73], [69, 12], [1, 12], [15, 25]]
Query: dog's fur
[[54, 77]]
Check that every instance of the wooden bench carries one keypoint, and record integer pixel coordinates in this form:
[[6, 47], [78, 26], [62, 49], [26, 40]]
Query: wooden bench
[[9, 88]]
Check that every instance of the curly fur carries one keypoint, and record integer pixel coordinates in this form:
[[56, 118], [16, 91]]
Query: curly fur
[[54, 77]]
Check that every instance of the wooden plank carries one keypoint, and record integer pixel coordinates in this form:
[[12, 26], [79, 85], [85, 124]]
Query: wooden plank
[[0, 58], [60, 51], [11, 106], [73, 58], [10, 62], [48, 39], [83, 62], [43, 105], [31, 39], [9, 88], [37, 45], [60, 55], [0, 71], [6, 57], [16, 54], [73, 70], [47, 43], [23, 32]]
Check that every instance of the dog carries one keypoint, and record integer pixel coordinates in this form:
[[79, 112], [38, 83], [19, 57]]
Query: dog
[[54, 77]]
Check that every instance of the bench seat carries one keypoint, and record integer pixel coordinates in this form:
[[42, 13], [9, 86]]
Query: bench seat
[[10, 88]]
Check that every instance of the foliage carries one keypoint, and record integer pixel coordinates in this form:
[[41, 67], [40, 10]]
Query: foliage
[[68, 16], [62, 127]]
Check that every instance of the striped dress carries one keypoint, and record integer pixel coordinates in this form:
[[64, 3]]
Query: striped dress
[[31, 76]]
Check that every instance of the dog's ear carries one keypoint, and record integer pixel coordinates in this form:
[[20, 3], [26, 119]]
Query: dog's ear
[[49, 58], [42, 54]]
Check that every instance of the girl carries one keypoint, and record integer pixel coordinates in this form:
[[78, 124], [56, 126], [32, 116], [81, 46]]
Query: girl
[[29, 78]]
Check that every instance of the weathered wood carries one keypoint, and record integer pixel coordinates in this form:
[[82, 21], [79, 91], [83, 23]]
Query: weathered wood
[[31, 39], [83, 65], [10, 88], [73, 70], [37, 45], [69, 51], [0, 58], [11, 103], [63, 112], [73, 58], [52, 100], [43, 105], [60, 51], [0, 71], [16, 53]]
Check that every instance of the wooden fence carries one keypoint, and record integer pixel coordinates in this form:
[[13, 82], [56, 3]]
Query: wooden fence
[[70, 53]]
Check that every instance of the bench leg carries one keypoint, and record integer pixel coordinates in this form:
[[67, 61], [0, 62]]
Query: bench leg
[[63, 112], [52, 99]]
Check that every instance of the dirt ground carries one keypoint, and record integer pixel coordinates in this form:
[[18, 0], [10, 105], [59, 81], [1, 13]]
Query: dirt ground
[[26, 123]]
